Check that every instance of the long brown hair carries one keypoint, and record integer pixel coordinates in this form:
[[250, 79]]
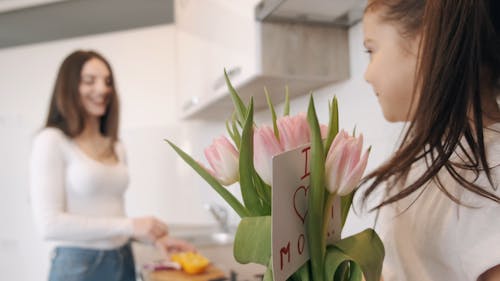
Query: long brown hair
[[460, 46], [66, 111]]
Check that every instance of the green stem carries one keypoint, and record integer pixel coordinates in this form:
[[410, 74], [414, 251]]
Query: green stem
[[316, 200], [326, 219]]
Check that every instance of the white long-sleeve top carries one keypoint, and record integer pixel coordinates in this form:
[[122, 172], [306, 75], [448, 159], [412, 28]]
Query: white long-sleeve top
[[76, 200], [434, 238]]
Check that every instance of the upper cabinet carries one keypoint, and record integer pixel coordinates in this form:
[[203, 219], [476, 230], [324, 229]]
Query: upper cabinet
[[33, 21], [258, 49], [327, 12]]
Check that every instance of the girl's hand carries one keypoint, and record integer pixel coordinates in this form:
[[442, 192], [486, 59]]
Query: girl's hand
[[168, 245], [148, 229]]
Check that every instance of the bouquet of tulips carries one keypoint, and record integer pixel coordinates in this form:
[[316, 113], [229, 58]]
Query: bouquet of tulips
[[336, 167]]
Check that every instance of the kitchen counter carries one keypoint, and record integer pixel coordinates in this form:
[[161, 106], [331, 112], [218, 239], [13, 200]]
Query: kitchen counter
[[211, 273], [217, 246]]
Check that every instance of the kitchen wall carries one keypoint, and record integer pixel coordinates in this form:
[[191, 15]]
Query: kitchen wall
[[144, 63]]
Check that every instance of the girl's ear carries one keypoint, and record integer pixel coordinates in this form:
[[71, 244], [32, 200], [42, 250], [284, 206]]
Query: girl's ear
[[412, 44]]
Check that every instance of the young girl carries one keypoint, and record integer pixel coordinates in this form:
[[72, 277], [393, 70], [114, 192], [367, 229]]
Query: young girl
[[79, 176], [436, 64]]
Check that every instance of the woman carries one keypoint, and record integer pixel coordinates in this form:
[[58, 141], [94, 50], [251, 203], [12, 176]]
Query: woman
[[79, 176]]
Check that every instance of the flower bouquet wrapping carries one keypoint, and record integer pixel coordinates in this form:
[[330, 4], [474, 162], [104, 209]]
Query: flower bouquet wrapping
[[334, 165]]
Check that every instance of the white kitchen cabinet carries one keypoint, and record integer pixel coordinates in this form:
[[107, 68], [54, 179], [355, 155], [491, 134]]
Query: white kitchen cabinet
[[217, 34]]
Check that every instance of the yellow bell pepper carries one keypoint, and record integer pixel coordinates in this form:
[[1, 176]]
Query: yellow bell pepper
[[191, 263]]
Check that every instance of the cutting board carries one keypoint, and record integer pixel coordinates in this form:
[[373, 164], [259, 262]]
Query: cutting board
[[210, 273]]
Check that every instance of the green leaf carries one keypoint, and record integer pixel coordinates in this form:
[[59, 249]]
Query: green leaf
[[333, 124], [237, 135], [333, 259], [286, 109], [345, 206], [268, 275], [246, 168], [316, 197], [228, 196], [356, 272], [264, 192], [233, 131], [229, 131], [296, 276], [273, 114], [365, 249], [252, 242], [231, 134], [302, 274], [241, 110], [305, 271], [341, 273]]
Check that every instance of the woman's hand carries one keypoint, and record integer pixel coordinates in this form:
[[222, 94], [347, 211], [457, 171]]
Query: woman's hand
[[168, 245], [148, 229]]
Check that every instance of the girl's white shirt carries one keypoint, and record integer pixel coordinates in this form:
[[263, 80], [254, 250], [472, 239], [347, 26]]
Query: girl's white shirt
[[437, 239], [76, 200]]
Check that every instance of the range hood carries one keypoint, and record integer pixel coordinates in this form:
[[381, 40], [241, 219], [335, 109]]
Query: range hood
[[330, 12]]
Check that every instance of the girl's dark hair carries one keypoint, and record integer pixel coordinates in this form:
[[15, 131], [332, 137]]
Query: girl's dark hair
[[459, 51], [66, 111]]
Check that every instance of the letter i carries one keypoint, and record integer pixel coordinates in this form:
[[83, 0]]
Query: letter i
[[306, 167]]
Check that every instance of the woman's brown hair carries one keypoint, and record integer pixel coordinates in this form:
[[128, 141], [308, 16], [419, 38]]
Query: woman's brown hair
[[459, 55], [66, 111]]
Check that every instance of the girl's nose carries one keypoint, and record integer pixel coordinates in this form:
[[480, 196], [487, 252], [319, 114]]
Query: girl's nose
[[367, 75]]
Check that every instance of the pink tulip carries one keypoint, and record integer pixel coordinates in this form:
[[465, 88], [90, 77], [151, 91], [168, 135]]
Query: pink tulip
[[293, 130], [344, 164], [223, 158], [265, 147]]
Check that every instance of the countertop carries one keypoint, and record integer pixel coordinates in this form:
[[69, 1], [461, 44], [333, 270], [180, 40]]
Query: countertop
[[211, 273], [220, 254]]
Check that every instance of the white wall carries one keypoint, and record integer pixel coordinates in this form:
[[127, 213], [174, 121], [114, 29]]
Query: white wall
[[161, 184]]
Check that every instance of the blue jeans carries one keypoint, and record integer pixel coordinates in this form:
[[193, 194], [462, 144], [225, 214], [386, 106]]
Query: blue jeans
[[80, 264]]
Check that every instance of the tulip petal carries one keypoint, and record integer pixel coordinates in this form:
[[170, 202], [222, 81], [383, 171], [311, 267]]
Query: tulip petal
[[335, 167], [223, 159], [340, 137], [352, 180], [265, 147], [294, 131], [356, 147]]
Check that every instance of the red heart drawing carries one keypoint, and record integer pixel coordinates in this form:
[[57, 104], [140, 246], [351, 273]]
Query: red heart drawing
[[302, 213]]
